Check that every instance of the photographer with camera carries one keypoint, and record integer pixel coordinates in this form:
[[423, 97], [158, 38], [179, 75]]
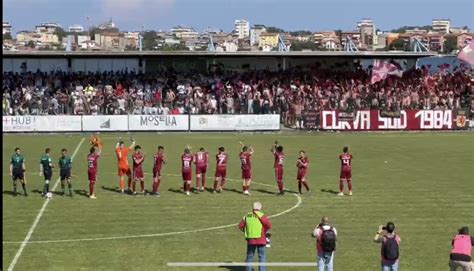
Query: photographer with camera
[[390, 246], [461, 252], [325, 235], [256, 227]]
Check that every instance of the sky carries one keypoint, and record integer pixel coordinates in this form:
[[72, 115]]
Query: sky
[[312, 15]]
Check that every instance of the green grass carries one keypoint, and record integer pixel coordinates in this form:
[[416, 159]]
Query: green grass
[[426, 188]]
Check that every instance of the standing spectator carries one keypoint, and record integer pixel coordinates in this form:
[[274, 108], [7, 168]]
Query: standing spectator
[[390, 246], [460, 255], [121, 105], [256, 226], [325, 235]]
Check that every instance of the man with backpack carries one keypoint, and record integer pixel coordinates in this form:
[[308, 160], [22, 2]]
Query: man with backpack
[[325, 235], [390, 251]]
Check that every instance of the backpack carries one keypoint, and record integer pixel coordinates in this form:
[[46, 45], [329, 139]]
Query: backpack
[[328, 240], [390, 248]]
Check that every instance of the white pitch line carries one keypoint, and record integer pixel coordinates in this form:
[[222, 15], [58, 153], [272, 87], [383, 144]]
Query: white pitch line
[[241, 264], [165, 233], [38, 217]]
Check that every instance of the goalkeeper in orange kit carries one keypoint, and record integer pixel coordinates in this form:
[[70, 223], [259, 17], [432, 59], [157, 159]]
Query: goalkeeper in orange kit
[[122, 159]]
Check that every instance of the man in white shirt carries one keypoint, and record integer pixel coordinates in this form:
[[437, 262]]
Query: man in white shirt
[[325, 235]]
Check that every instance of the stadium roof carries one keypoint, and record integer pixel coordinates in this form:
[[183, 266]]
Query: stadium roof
[[131, 54]]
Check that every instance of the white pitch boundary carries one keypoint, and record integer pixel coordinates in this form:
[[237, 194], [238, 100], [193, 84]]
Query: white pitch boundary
[[160, 234], [241, 264], [38, 217]]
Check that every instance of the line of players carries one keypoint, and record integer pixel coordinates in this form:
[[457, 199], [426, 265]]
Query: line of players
[[200, 159]]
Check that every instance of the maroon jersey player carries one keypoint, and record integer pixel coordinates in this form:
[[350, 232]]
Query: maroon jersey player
[[346, 171], [302, 167], [92, 160], [158, 161], [245, 157], [221, 170], [138, 157], [201, 159], [279, 156], [186, 169]]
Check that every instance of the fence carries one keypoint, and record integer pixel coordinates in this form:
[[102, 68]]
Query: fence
[[364, 120], [104, 123]]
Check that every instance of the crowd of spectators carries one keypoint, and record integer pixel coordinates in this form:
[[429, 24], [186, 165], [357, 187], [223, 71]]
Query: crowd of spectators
[[292, 93]]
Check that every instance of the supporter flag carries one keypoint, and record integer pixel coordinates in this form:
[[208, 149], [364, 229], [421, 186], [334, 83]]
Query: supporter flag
[[382, 69], [467, 54]]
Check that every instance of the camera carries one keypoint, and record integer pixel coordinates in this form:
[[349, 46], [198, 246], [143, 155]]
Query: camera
[[267, 238]]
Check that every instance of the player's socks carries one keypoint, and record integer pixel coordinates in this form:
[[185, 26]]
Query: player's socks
[[134, 186], [197, 182], [341, 186], [222, 183], [14, 188], [215, 185], [142, 185], [203, 180], [69, 188], [45, 188], [299, 187], [280, 186], [122, 185], [24, 189], [158, 185], [62, 188], [306, 186], [243, 188], [129, 184], [91, 189], [349, 184]]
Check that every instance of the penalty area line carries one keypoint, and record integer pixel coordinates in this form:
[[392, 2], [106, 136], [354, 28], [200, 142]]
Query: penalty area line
[[38, 217]]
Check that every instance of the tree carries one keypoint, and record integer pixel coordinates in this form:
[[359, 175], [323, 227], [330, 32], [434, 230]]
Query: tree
[[31, 44], [450, 44], [174, 47], [339, 35], [300, 33], [272, 29], [60, 33], [94, 30], [7, 36], [404, 29], [302, 45], [149, 40], [399, 45]]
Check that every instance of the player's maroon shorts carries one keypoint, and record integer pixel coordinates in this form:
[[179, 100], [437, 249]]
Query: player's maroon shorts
[[301, 174], [156, 173], [138, 173], [92, 176], [187, 175], [279, 173], [346, 174], [246, 174], [221, 172], [201, 169]]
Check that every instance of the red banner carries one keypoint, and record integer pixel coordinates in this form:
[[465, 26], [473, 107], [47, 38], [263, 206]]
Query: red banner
[[370, 120]]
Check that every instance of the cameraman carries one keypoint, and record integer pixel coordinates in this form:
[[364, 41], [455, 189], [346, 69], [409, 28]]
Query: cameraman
[[325, 235], [256, 227], [461, 252], [390, 246]]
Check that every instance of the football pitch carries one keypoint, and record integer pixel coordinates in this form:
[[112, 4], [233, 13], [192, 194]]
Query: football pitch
[[423, 182]]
